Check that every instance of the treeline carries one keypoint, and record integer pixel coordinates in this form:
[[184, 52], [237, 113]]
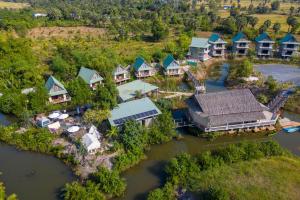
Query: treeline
[[183, 170]]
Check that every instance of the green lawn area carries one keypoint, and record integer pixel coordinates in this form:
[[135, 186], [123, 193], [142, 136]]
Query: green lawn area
[[275, 178], [12, 5]]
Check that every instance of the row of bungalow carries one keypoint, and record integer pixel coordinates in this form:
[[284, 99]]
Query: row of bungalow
[[204, 48], [58, 93]]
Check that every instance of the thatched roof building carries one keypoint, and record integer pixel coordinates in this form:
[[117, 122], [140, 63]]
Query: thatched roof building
[[225, 108]]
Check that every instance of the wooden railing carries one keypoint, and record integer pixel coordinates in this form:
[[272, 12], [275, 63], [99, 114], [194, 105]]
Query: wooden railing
[[241, 126]]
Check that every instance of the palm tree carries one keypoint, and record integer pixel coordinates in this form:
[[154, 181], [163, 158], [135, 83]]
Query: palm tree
[[113, 132]]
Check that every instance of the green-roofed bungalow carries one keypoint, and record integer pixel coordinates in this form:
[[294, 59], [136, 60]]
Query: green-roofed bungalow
[[56, 90], [131, 90], [141, 110], [240, 44], [217, 45], [199, 49], [264, 45], [142, 68], [171, 66], [90, 77], [288, 46]]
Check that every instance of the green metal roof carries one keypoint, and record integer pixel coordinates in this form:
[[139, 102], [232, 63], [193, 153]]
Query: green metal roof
[[170, 63], [214, 37], [140, 64], [89, 76], [288, 38], [128, 90], [239, 36], [199, 42], [130, 110], [51, 82], [263, 36]]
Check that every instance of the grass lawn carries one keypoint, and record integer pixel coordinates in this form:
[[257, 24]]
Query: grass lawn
[[12, 5], [275, 178], [273, 18]]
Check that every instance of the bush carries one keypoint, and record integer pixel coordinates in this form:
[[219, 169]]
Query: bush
[[109, 182]]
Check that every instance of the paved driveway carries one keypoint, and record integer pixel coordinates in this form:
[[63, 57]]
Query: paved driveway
[[282, 73]]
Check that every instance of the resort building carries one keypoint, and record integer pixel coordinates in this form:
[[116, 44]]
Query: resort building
[[141, 110], [121, 74], [288, 46], [136, 89], [56, 90], [240, 44], [199, 49], [171, 67], [90, 77], [143, 69], [264, 45], [217, 45], [228, 110]]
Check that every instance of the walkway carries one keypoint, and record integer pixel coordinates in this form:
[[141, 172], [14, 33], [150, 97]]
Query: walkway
[[279, 101], [199, 87], [175, 94]]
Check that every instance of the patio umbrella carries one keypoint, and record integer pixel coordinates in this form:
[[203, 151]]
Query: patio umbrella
[[54, 115], [63, 116], [73, 129]]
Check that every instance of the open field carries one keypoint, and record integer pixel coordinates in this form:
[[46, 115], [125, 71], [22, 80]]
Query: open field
[[273, 18], [12, 5], [284, 6], [274, 178], [65, 32]]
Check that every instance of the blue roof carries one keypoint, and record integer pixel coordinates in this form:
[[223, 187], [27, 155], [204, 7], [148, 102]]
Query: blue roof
[[133, 110], [214, 37], [199, 42], [288, 38], [263, 36], [128, 91], [51, 82], [89, 76], [167, 64], [239, 36], [140, 64]]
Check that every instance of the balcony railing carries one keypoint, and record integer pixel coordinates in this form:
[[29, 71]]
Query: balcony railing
[[241, 126]]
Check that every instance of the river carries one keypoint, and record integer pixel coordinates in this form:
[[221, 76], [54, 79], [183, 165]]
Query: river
[[32, 176]]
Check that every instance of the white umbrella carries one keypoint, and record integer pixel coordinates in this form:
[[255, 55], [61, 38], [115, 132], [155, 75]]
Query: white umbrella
[[73, 129], [54, 115], [63, 116]]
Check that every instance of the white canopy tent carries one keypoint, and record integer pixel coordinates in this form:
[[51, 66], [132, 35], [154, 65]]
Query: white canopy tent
[[93, 131], [63, 116], [91, 143], [54, 115], [73, 129]]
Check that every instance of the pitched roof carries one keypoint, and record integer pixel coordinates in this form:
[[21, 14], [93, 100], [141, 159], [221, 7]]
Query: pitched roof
[[133, 110], [288, 38], [199, 42], [228, 102], [120, 70], [233, 106], [239, 36], [128, 91], [89, 76], [140, 64], [90, 142], [54, 82], [167, 63], [263, 36]]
